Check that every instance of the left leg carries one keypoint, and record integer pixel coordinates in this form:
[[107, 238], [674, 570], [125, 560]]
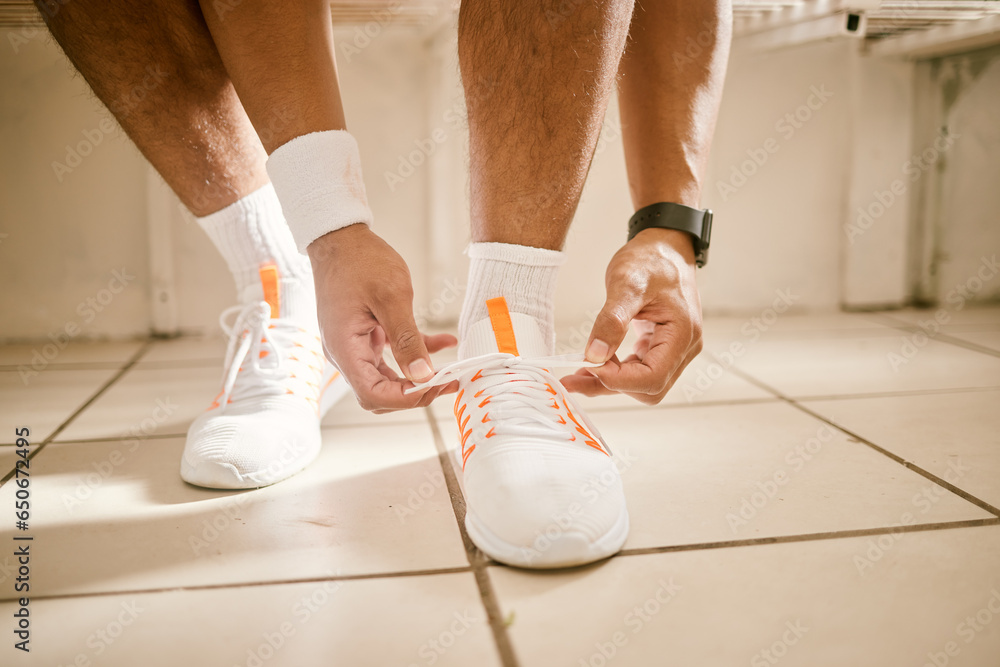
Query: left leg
[[537, 83]]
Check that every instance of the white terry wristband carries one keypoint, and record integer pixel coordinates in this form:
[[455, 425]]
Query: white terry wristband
[[317, 178]]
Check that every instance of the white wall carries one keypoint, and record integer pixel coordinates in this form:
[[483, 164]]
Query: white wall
[[63, 238]]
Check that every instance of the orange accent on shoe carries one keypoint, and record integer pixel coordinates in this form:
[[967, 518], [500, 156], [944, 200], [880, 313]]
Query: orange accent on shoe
[[263, 353], [589, 440], [550, 389], [465, 457], [466, 422], [215, 401], [562, 420], [491, 433], [485, 401], [503, 328], [269, 281], [479, 393], [465, 436], [458, 399], [336, 374], [486, 417], [477, 376]]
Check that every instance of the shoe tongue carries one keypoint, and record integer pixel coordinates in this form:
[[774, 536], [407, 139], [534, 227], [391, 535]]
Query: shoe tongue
[[504, 331], [289, 298], [269, 281]]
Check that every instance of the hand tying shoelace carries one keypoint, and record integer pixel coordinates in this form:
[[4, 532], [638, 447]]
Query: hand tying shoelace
[[520, 392]]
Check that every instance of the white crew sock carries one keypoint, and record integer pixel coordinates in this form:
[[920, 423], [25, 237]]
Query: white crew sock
[[524, 276], [251, 233]]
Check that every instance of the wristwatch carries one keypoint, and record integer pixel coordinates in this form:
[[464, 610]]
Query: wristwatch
[[666, 215]]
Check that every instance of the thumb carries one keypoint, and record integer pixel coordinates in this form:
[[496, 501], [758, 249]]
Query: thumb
[[611, 325], [406, 342]]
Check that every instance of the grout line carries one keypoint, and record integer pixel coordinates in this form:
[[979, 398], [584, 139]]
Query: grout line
[[254, 584], [676, 406], [79, 366], [890, 394], [982, 504], [86, 404], [477, 559], [115, 438], [941, 336], [343, 426], [812, 537]]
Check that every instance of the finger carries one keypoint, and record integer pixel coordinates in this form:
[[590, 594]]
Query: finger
[[423, 399], [611, 324], [588, 386], [438, 342], [375, 384], [652, 374], [653, 399], [405, 339]]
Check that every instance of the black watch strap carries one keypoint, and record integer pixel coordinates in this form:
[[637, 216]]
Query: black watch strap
[[666, 215]]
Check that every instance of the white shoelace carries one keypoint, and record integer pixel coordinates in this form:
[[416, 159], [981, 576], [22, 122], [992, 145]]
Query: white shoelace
[[269, 374], [521, 401]]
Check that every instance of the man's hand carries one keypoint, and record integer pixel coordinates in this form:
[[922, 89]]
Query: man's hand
[[364, 300], [651, 284]]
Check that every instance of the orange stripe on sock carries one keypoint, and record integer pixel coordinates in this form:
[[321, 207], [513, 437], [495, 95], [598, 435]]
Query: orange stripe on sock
[[503, 328], [269, 280]]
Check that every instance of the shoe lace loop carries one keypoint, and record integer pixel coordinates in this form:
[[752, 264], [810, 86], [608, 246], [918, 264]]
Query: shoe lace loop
[[526, 400], [258, 347]]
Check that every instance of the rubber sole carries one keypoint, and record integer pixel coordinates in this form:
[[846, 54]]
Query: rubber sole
[[565, 549]]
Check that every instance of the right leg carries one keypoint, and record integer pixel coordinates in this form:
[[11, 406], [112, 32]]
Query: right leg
[[154, 65], [157, 69]]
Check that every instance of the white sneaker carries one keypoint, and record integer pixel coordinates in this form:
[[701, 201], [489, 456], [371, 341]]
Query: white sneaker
[[263, 426], [541, 488]]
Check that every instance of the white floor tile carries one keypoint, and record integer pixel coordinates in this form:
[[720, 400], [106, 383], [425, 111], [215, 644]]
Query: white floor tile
[[727, 606], [150, 401], [48, 354], [845, 366], [971, 318], [205, 350], [956, 436], [734, 472], [987, 339], [704, 381], [45, 401], [423, 620], [116, 516]]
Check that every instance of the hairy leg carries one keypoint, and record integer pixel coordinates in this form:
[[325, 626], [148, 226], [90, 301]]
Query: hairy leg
[[669, 93], [537, 79], [156, 68], [281, 59]]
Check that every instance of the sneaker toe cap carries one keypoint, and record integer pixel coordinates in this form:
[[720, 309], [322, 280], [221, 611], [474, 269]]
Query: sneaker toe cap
[[246, 451], [533, 511]]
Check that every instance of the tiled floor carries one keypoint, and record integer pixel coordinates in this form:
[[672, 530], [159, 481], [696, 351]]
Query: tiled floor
[[816, 490]]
